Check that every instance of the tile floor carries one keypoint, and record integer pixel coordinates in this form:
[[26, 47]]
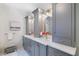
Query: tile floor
[[18, 53]]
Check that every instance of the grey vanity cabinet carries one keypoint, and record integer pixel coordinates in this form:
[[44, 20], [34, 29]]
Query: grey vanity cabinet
[[42, 50], [34, 48], [56, 52], [39, 49], [29, 46]]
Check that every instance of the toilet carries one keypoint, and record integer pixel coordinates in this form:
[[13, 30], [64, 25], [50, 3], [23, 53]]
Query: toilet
[[11, 48]]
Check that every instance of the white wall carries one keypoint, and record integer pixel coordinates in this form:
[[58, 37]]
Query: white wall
[[6, 15], [3, 24], [15, 15]]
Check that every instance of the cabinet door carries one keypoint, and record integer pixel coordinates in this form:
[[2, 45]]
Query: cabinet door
[[63, 25], [32, 48], [37, 49], [27, 45], [55, 52], [42, 50]]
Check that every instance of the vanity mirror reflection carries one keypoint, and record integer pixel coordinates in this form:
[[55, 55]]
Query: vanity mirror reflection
[[29, 25], [43, 22]]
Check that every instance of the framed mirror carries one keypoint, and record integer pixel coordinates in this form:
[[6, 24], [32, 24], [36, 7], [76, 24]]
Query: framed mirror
[[29, 25]]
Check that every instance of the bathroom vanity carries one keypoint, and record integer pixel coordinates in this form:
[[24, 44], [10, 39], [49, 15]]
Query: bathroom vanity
[[39, 47], [59, 21], [34, 47]]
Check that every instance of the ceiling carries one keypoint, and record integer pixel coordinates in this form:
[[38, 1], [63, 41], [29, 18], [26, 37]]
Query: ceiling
[[27, 8]]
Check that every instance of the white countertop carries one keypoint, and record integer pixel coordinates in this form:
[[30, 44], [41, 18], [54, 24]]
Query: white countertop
[[61, 47], [44, 42]]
